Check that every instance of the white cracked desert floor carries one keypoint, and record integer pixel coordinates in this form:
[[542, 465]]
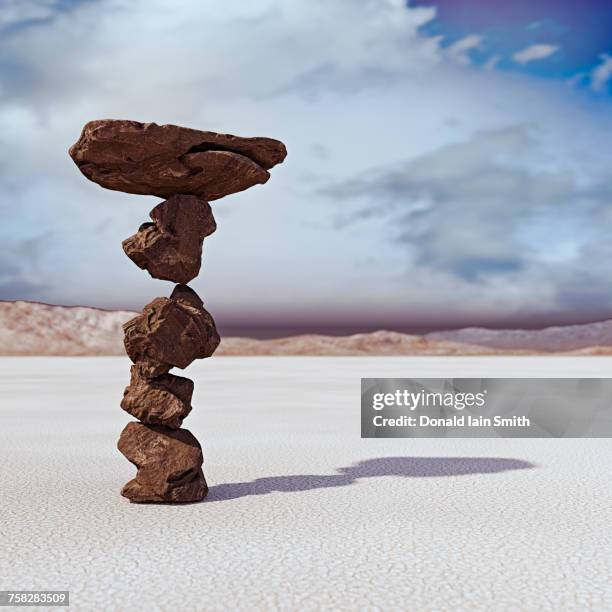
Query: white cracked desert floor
[[302, 514]]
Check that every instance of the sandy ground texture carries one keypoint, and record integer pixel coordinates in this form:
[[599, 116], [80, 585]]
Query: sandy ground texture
[[302, 514]]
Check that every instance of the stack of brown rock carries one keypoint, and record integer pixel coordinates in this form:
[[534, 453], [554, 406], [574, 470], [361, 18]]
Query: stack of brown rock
[[189, 168]]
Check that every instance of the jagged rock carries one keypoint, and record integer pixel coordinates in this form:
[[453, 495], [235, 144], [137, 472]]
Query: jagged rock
[[165, 400], [169, 463], [170, 248], [164, 160], [170, 332]]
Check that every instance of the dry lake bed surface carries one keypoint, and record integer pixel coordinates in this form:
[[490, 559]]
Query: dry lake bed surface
[[302, 514]]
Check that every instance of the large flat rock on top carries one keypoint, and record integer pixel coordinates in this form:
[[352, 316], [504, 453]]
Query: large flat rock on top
[[164, 160]]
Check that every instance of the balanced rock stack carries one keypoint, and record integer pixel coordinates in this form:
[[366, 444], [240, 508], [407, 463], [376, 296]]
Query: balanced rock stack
[[189, 168]]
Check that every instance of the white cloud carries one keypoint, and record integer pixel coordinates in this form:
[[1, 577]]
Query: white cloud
[[15, 11], [601, 74], [534, 52], [492, 62], [459, 50], [479, 217], [580, 78]]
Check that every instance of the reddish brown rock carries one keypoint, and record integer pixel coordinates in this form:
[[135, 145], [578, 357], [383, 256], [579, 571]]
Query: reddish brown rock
[[170, 332], [169, 463], [150, 368], [165, 400], [164, 160], [170, 248]]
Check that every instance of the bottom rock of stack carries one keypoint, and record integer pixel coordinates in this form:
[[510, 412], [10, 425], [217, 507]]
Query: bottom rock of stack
[[169, 463]]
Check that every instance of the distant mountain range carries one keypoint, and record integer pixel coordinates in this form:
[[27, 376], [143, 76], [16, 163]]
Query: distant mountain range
[[31, 328], [561, 338]]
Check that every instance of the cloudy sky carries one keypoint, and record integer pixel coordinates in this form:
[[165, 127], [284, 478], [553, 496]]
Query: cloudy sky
[[448, 160]]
